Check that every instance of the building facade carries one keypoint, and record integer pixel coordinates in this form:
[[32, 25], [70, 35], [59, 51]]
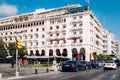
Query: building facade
[[71, 31], [109, 41]]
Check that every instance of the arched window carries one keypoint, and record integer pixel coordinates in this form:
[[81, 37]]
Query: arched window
[[43, 53], [37, 53], [64, 52], [31, 53], [58, 52], [50, 52], [74, 53]]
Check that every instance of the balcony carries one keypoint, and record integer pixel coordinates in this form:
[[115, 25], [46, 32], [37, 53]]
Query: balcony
[[74, 44]]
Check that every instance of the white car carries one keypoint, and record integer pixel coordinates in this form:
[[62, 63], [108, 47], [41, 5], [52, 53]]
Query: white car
[[110, 64]]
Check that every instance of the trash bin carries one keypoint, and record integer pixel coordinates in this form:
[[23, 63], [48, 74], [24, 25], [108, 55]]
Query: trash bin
[[47, 70], [36, 71]]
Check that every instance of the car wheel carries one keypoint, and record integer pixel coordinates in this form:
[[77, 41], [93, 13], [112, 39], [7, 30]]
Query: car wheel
[[76, 70]]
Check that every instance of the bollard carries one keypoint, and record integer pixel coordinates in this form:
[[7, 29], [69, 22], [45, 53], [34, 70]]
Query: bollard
[[0, 75], [36, 71], [47, 70]]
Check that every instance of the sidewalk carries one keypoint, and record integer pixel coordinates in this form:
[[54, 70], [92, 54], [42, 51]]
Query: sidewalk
[[8, 73]]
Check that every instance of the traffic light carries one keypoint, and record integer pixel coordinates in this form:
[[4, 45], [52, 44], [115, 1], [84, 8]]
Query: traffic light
[[18, 44]]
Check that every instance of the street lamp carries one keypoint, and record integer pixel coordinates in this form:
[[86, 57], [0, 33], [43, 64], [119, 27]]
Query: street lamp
[[17, 73]]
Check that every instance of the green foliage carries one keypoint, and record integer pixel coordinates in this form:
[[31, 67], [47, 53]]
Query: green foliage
[[12, 49], [104, 57], [21, 52], [3, 52], [38, 65]]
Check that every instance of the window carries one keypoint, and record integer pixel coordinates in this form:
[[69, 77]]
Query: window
[[36, 43], [43, 29], [43, 42], [74, 17], [51, 42], [97, 42], [37, 29], [43, 36], [57, 27], [64, 41], [81, 40], [10, 32], [31, 37], [80, 17], [51, 35], [36, 35], [74, 41], [57, 42], [80, 32], [64, 34], [74, 25], [31, 30], [10, 38], [51, 28], [80, 24], [57, 34], [74, 32], [64, 20], [64, 26]]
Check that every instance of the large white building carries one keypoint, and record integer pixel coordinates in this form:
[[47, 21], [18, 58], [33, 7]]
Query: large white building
[[72, 31], [109, 43]]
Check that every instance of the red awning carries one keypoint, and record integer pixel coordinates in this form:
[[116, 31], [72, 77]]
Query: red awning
[[74, 38], [57, 39]]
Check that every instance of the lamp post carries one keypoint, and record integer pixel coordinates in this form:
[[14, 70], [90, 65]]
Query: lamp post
[[18, 46], [17, 73]]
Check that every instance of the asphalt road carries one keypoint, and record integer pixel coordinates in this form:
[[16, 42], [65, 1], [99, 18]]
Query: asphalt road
[[93, 74]]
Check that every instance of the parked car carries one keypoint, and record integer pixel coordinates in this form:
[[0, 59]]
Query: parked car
[[72, 66], [94, 64], [100, 63], [110, 64], [87, 64]]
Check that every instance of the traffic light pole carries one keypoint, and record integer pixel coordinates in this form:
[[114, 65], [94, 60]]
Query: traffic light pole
[[17, 73]]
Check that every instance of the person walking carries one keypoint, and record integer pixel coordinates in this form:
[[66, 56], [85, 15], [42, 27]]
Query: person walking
[[12, 63], [19, 64]]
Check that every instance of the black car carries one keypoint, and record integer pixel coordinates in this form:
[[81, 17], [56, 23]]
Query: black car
[[72, 66], [87, 64], [94, 64]]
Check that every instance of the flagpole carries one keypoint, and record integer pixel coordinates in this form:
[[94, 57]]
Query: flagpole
[[88, 2]]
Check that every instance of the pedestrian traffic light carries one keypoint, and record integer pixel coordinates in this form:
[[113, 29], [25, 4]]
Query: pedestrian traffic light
[[18, 44]]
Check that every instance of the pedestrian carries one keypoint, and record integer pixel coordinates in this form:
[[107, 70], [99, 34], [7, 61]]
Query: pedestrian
[[19, 64], [12, 63]]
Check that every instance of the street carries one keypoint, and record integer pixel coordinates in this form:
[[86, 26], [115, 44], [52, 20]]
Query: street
[[92, 74]]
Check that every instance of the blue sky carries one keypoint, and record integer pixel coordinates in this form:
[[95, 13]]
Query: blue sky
[[107, 11]]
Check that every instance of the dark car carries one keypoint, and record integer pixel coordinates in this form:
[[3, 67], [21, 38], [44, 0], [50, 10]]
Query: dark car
[[87, 64], [94, 64], [72, 66]]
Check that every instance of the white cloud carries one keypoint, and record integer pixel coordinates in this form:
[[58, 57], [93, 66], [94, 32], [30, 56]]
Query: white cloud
[[8, 10]]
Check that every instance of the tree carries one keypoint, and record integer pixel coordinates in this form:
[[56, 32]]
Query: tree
[[3, 52], [22, 52], [104, 57], [12, 49]]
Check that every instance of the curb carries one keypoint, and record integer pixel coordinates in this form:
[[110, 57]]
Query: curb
[[19, 77]]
